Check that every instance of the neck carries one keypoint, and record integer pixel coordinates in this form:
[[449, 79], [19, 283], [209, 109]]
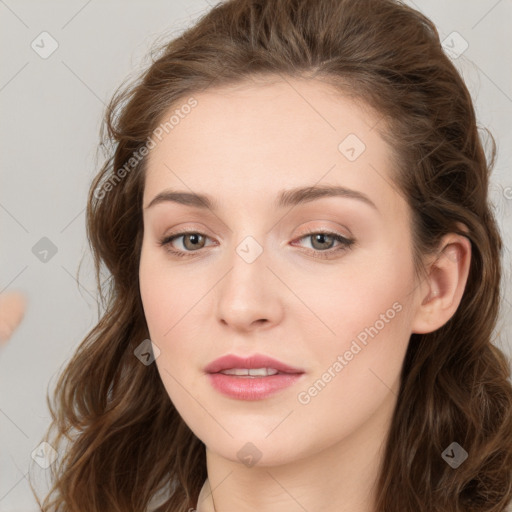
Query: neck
[[339, 479]]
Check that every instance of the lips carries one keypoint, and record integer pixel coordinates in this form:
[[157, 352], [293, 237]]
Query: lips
[[251, 378], [257, 361]]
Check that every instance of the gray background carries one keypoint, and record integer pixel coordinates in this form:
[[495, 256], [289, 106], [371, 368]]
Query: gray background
[[51, 113]]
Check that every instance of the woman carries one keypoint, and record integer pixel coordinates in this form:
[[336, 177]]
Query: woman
[[305, 278]]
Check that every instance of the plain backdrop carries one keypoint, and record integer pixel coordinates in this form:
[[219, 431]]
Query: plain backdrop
[[52, 107]]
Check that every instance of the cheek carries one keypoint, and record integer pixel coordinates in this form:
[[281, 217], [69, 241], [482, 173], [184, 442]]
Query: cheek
[[166, 299], [371, 289], [166, 293], [370, 315], [176, 309], [356, 372]]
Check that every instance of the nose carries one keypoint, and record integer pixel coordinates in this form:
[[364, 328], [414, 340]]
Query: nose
[[249, 296]]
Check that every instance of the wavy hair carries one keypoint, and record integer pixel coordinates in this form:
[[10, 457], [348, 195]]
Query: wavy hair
[[120, 440]]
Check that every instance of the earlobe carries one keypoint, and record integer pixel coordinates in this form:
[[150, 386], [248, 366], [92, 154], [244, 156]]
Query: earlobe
[[440, 294]]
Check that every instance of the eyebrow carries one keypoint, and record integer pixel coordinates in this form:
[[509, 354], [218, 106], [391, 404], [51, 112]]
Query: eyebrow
[[285, 198]]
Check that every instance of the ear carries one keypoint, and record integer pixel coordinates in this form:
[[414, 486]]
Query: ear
[[439, 295]]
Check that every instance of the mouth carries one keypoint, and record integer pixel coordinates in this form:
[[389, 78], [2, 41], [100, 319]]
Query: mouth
[[256, 365], [252, 372], [252, 378]]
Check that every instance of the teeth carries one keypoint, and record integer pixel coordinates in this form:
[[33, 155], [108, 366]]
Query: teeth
[[254, 372]]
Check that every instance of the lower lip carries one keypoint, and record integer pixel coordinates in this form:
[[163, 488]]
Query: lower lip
[[252, 388]]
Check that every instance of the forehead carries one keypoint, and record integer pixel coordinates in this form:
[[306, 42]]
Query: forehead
[[252, 139]]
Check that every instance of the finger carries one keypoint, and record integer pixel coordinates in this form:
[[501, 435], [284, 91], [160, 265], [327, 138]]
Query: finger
[[12, 310]]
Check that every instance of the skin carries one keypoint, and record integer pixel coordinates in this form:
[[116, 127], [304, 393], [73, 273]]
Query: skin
[[242, 145], [12, 310]]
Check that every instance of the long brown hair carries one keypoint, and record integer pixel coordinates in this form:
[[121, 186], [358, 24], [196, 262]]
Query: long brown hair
[[125, 440]]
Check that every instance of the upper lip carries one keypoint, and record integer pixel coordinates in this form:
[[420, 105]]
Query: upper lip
[[255, 361]]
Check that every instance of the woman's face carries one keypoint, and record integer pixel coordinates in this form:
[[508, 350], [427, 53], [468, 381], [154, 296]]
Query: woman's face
[[255, 275]]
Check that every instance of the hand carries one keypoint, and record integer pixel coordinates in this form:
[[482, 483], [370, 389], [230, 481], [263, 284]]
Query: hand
[[12, 309]]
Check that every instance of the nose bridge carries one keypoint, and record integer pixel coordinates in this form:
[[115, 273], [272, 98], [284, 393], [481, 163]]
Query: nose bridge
[[248, 238], [247, 294], [248, 264]]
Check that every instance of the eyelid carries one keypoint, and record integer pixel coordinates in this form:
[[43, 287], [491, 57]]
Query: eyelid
[[328, 231]]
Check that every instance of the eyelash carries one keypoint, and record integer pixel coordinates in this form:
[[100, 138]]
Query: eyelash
[[346, 243]]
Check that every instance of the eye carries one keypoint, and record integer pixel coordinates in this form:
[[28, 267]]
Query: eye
[[322, 243], [192, 242]]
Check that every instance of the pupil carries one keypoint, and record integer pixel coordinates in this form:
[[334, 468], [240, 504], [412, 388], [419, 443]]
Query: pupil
[[321, 238], [193, 239]]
